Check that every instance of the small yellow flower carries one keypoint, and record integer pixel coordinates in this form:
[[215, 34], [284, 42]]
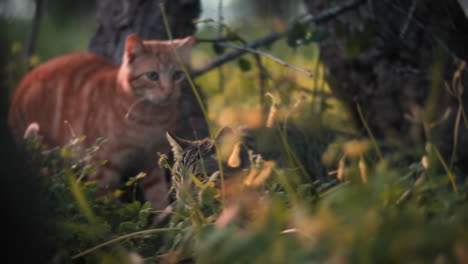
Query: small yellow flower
[[34, 60], [16, 47], [252, 117], [140, 175], [234, 159], [257, 177], [363, 170], [425, 162], [251, 177], [272, 116], [264, 174], [88, 183], [227, 149], [340, 171], [228, 117], [117, 193], [356, 148]]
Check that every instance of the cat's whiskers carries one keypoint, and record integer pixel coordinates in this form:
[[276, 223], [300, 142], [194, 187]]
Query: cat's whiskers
[[133, 106], [70, 128]]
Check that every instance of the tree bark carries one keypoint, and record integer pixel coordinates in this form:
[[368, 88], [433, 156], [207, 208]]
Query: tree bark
[[116, 19], [383, 56]]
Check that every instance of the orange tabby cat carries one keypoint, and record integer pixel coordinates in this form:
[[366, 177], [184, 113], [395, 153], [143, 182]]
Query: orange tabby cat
[[132, 106]]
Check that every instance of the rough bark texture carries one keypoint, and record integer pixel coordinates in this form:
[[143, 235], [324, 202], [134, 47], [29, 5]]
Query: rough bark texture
[[381, 55], [116, 19]]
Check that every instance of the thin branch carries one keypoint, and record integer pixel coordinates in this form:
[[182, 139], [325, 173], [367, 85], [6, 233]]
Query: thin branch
[[268, 55], [322, 94], [120, 238], [226, 57], [274, 36], [32, 34], [408, 19], [220, 33], [262, 79], [220, 16], [369, 131], [217, 40], [421, 25]]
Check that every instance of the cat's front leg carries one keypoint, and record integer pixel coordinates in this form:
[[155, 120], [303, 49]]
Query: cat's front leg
[[154, 187], [107, 177]]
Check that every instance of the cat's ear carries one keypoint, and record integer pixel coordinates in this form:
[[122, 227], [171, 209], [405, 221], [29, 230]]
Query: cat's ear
[[223, 134], [184, 46], [178, 145], [133, 47], [186, 42]]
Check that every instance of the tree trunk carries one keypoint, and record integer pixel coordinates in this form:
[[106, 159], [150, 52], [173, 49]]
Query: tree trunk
[[116, 19], [385, 56]]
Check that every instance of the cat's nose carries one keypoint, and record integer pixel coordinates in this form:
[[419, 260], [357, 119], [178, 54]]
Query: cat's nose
[[167, 90]]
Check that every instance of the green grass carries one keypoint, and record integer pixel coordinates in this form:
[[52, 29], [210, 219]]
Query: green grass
[[389, 219]]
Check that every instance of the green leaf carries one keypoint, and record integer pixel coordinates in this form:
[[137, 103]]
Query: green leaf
[[195, 180], [133, 180], [207, 196], [144, 215], [296, 35], [302, 35], [229, 33], [244, 64], [100, 140], [326, 106], [319, 34], [218, 49], [127, 227]]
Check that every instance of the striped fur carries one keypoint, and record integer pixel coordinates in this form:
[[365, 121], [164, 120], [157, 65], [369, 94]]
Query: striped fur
[[132, 106], [199, 157]]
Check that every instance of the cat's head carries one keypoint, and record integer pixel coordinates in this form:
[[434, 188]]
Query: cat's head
[[151, 69], [199, 157]]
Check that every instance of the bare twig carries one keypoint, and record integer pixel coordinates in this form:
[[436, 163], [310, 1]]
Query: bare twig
[[262, 71], [421, 25], [32, 34], [220, 15], [408, 19], [220, 32], [217, 40], [120, 238], [220, 60], [369, 131], [322, 94], [256, 51], [274, 36], [262, 77]]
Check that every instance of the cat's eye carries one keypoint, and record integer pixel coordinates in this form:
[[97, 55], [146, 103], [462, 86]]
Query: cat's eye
[[177, 75], [154, 76]]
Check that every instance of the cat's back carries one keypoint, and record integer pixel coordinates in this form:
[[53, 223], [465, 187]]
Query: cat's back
[[70, 64], [43, 91]]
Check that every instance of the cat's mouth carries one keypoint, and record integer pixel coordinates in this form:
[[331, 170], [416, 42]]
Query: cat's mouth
[[152, 102], [167, 101], [161, 101]]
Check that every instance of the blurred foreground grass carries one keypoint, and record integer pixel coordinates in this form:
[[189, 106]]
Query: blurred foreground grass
[[389, 215]]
